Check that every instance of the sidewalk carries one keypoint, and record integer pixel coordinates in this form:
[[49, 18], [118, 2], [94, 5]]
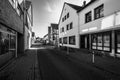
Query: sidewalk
[[24, 67], [108, 64]]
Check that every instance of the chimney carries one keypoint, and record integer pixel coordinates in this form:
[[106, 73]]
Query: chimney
[[84, 3]]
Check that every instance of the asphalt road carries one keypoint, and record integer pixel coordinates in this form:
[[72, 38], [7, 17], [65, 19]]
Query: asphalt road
[[56, 65]]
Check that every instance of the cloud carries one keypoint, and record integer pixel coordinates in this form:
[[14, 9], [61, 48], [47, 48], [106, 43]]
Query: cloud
[[48, 7]]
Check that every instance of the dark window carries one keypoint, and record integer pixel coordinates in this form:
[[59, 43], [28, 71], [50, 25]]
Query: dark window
[[60, 40], [88, 17], [65, 40], [99, 12], [67, 15], [62, 19], [67, 27], [71, 25], [62, 29], [72, 40]]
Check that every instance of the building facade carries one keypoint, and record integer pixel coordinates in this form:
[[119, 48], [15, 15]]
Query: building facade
[[53, 34], [11, 30], [68, 26], [99, 26]]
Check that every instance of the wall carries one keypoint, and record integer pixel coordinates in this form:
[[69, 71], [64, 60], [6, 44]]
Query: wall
[[73, 17], [10, 17], [96, 25]]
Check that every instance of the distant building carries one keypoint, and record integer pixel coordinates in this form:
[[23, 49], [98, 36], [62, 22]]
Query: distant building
[[45, 39], [53, 34]]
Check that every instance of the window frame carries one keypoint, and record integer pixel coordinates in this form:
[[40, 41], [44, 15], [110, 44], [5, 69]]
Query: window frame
[[99, 12], [71, 25], [88, 17], [73, 38]]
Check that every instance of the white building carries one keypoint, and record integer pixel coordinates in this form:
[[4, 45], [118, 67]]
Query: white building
[[99, 26], [68, 26]]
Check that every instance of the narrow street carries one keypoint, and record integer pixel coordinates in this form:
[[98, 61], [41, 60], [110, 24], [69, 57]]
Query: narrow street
[[56, 65]]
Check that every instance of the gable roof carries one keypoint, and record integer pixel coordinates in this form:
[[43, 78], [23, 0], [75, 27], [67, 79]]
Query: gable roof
[[76, 7]]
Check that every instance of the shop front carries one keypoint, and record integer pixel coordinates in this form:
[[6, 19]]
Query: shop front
[[7, 44]]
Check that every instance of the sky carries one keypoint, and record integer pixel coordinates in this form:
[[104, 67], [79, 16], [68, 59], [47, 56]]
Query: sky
[[46, 12]]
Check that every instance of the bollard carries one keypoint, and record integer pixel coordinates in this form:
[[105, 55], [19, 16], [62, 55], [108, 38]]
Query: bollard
[[93, 57], [67, 50]]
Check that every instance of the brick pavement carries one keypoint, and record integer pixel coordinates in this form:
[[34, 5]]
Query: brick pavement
[[108, 64], [24, 67]]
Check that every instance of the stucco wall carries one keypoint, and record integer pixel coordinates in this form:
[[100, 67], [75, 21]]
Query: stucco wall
[[110, 7], [73, 17], [9, 16]]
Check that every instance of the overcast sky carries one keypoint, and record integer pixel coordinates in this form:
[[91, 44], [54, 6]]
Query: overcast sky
[[46, 12]]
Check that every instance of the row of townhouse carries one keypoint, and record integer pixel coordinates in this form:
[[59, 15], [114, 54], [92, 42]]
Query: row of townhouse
[[15, 28], [93, 26]]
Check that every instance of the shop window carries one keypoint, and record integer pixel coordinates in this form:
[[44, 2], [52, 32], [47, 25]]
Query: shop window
[[99, 42], [65, 40], [94, 41], [7, 40], [88, 17], [106, 42], [99, 12], [118, 43], [72, 40]]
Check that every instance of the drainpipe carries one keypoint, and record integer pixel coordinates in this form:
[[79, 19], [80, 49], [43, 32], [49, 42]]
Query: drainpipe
[[78, 30]]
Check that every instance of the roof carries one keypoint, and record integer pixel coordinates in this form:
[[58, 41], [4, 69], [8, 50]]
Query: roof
[[76, 7], [55, 26], [92, 1]]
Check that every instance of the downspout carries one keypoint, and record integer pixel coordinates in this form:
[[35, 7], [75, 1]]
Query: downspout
[[78, 30]]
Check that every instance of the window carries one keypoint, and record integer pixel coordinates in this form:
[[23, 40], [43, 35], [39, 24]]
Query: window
[[65, 40], [67, 27], [71, 25], [99, 12], [72, 40], [88, 17], [60, 40], [106, 42], [63, 19], [94, 41], [101, 41], [7, 40], [62, 29], [67, 15]]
